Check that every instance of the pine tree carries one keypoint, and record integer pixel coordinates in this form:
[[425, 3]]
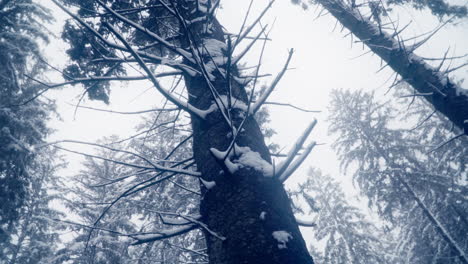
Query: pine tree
[[348, 236], [144, 207], [22, 119], [233, 162], [414, 182], [33, 238]]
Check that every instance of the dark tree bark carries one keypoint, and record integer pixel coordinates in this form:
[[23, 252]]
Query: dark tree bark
[[435, 86], [247, 217], [245, 207]]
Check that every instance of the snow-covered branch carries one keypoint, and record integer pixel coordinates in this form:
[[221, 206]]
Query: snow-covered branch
[[162, 234], [244, 157], [297, 162], [306, 223], [282, 167], [272, 86]]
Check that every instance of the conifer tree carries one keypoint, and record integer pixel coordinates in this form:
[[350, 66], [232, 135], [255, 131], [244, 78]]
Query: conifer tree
[[412, 178], [34, 236], [234, 165], [22, 117], [346, 233]]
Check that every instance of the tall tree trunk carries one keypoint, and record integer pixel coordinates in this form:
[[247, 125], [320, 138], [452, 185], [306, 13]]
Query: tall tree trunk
[[247, 217], [429, 82], [245, 207]]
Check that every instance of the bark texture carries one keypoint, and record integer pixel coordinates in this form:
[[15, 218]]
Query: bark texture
[[244, 207], [435, 86]]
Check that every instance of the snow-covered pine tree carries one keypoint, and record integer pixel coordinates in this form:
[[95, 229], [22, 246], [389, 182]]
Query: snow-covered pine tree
[[34, 236], [346, 233], [412, 180], [239, 183], [22, 119], [139, 205]]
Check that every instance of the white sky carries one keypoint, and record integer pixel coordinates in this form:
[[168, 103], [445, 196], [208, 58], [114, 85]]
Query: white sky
[[322, 62]]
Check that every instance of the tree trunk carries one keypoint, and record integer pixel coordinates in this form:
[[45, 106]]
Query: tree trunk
[[245, 207], [435, 86]]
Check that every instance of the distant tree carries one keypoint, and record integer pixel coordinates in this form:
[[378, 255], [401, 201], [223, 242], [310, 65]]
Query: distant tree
[[22, 119], [412, 176], [139, 208], [346, 233], [85, 199], [33, 237], [238, 182]]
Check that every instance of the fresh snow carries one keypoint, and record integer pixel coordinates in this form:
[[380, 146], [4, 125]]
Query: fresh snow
[[162, 233], [263, 215], [282, 237], [246, 158], [253, 159], [208, 184], [217, 59]]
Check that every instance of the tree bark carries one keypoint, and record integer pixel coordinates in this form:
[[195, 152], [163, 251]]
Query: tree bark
[[245, 207], [435, 86]]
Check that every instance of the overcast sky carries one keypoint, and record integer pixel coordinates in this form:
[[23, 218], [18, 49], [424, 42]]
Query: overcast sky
[[322, 62]]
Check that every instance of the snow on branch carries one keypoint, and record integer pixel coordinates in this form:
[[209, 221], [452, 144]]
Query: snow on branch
[[208, 184], [292, 106], [270, 89], [175, 221], [292, 168], [282, 237], [306, 223], [162, 234], [187, 220], [283, 166], [244, 157]]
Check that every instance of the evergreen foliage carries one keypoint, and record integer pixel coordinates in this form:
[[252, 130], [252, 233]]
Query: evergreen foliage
[[103, 181], [22, 119], [413, 181], [34, 236], [348, 236]]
